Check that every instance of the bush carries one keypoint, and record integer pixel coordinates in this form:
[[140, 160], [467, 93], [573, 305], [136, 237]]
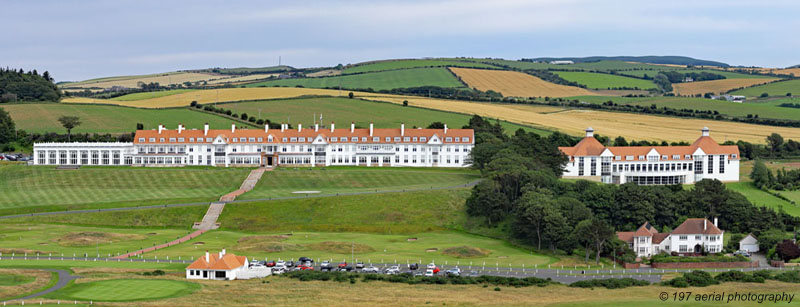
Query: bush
[[664, 258], [738, 276], [692, 279], [789, 276], [610, 283], [410, 279], [194, 103], [764, 95]]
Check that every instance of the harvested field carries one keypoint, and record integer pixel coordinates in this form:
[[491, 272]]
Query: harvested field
[[465, 252], [133, 81], [512, 83], [324, 73], [341, 247], [91, 238], [223, 80], [628, 125], [715, 86]]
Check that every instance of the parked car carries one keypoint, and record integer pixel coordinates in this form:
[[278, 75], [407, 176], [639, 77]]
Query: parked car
[[370, 269], [305, 259], [359, 265], [473, 274], [413, 267], [325, 266], [280, 263], [395, 269], [454, 272], [289, 264], [304, 268], [278, 270], [429, 273], [256, 264], [342, 264], [420, 273], [271, 263], [431, 266], [742, 252]]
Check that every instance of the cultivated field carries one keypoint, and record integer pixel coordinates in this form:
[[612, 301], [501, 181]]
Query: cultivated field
[[604, 81], [383, 80], [242, 79], [41, 118], [716, 86], [727, 74], [631, 126], [412, 63], [343, 111], [780, 88], [44, 186], [133, 81], [149, 95], [512, 83], [332, 180]]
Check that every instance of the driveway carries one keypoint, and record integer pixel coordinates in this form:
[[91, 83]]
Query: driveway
[[761, 258]]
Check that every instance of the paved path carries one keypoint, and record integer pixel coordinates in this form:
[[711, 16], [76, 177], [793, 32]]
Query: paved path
[[64, 277], [165, 245], [248, 184]]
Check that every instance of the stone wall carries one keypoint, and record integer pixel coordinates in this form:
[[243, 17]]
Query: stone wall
[[703, 265]]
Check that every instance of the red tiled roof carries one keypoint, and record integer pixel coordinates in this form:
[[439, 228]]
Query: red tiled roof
[[695, 226], [626, 236], [589, 146], [227, 262], [659, 237], [646, 230]]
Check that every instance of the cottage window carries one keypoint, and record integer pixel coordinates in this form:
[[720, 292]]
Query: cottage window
[[682, 248]]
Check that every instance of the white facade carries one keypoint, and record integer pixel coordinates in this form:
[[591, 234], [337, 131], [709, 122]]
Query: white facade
[[749, 243], [220, 266], [649, 165], [292, 147], [694, 236]]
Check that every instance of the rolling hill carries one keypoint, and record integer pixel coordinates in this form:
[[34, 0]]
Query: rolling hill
[[672, 60]]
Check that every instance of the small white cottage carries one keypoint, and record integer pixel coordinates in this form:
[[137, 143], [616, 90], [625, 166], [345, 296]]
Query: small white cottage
[[749, 243], [219, 266]]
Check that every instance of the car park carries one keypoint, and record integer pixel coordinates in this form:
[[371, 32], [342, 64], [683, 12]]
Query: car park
[[370, 269], [289, 264], [359, 265], [453, 272], [413, 267], [393, 270], [429, 273]]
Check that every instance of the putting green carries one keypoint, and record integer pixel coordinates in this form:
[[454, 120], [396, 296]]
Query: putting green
[[120, 290]]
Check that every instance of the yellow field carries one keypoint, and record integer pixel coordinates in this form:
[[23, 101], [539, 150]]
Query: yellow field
[[573, 122], [210, 96], [325, 73], [715, 86], [132, 81], [517, 84], [226, 79]]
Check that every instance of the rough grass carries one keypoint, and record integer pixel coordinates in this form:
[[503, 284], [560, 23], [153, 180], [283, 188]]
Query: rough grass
[[28, 186], [465, 252], [773, 89], [41, 118], [512, 83], [715, 86], [178, 217], [121, 290], [19, 282], [88, 238], [332, 180], [341, 247], [8, 279], [343, 111], [604, 81], [269, 244], [413, 63], [383, 80]]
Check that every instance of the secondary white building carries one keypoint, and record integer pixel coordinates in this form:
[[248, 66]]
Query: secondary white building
[[749, 243], [220, 266], [692, 237], [271, 147], [647, 165]]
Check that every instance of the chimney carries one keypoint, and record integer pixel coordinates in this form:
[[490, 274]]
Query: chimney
[[205, 129], [316, 127], [403, 129], [283, 127], [370, 129], [333, 125], [715, 222], [352, 127], [705, 131], [705, 224], [233, 128], [223, 251], [445, 128], [160, 128], [589, 132], [266, 128], [180, 128], [207, 258]]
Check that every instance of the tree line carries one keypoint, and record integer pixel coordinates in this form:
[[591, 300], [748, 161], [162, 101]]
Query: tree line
[[18, 85]]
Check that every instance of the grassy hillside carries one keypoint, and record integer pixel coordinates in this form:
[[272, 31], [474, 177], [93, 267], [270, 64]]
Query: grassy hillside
[[605, 81], [412, 63], [42, 118], [148, 95], [716, 86], [727, 74], [600, 65], [343, 111], [763, 109], [284, 181], [384, 80], [29, 186], [773, 89]]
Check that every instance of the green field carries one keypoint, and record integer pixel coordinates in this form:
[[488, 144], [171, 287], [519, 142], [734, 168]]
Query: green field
[[779, 88], [384, 80], [14, 279], [600, 65], [762, 198], [121, 290], [604, 81], [414, 63], [148, 95], [767, 109], [41, 118], [70, 264], [727, 74], [331, 180], [343, 111], [47, 188], [68, 240]]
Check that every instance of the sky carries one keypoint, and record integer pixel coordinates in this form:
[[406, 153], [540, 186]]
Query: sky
[[77, 40]]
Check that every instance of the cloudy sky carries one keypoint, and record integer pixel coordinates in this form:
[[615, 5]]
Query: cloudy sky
[[77, 40]]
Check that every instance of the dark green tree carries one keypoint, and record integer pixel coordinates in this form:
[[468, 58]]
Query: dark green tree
[[69, 122], [760, 175], [7, 128], [436, 125]]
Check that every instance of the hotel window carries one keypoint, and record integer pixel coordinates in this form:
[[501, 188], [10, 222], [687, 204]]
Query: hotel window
[[95, 158], [301, 140], [376, 139], [721, 164], [414, 148], [191, 140], [617, 158], [698, 166], [406, 139], [664, 157], [181, 140], [580, 166], [209, 140], [363, 139], [593, 167], [423, 139], [628, 158], [84, 157], [676, 157], [465, 140], [293, 140], [641, 157], [354, 139], [161, 140], [152, 140], [455, 159], [141, 140], [387, 139], [605, 166], [397, 139], [405, 148], [284, 140], [334, 139], [260, 140], [448, 159], [449, 140], [251, 140], [710, 164]]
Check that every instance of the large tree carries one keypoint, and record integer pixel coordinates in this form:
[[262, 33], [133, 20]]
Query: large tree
[[7, 128], [599, 232], [533, 209], [760, 175], [486, 200], [579, 234], [69, 122]]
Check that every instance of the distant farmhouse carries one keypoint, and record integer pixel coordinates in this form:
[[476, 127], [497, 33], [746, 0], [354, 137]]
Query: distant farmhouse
[[271, 147], [649, 165], [561, 62], [731, 98], [693, 236]]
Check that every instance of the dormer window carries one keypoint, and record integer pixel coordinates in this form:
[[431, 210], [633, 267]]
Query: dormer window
[[415, 139], [293, 140], [448, 139], [629, 158], [363, 139], [334, 139], [676, 157], [617, 158], [397, 139], [465, 140], [423, 139], [641, 157], [406, 139], [260, 140], [664, 157], [733, 156], [284, 140], [388, 139], [376, 139], [161, 140], [209, 140], [141, 140], [251, 140]]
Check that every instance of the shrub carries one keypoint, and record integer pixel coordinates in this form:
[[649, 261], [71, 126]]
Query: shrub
[[789, 276], [194, 103], [610, 283], [692, 279], [738, 276], [764, 95]]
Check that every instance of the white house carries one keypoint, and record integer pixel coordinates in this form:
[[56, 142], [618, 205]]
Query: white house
[[693, 236], [271, 147], [561, 62], [221, 266], [648, 165], [749, 243]]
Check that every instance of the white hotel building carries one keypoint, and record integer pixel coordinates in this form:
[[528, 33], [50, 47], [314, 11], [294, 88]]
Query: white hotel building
[[647, 165], [271, 147]]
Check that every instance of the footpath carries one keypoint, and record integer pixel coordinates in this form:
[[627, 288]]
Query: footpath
[[209, 221]]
